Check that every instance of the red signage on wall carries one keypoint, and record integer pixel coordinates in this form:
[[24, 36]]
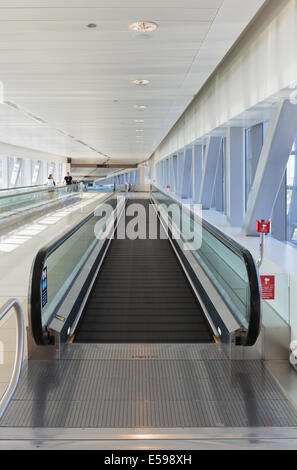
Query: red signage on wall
[[268, 287], [263, 226]]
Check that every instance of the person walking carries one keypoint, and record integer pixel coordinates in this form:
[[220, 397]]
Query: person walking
[[51, 185]]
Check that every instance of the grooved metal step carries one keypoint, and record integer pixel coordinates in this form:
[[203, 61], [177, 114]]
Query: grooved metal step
[[142, 295], [148, 386]]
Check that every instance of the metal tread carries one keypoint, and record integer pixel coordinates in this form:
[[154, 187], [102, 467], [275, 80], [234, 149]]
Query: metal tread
[[144, 277], [147, 386]]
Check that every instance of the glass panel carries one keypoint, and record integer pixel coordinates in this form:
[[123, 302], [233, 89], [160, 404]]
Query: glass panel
[[281, 301], [101, 188], [225, 269], [22, 200], [35, 170], [292, 196], [14, 170], [1, 172], [65, 262]]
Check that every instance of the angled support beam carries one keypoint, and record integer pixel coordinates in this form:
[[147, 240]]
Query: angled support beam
[[197, 169], [235, 175], [209, 171], [272, 164], [279, 215], [186, 180]]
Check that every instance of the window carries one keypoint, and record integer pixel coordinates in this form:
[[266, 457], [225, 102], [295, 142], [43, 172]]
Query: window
[[35, 172], [14, 171], [254, 139], [292, 196], [1, 172]]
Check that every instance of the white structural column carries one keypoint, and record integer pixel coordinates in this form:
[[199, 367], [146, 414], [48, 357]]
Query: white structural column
[[5, 179], [212, 153], [163, 173], [186, 178], [171, 175], [219, 193], [166, 172], [158, 174], [180, 164], [197, 168], [272, 164], [26, 172], [235, 172], [174, 167]]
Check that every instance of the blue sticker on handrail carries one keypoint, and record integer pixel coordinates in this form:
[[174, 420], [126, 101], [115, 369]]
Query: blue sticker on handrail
[[44, 286]]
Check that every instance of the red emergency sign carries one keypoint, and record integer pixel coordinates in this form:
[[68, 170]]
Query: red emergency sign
[[268, 287], [263, 226]]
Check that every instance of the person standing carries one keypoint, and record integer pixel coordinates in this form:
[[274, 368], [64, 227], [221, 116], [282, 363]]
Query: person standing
[[68, 179], [51, 185]]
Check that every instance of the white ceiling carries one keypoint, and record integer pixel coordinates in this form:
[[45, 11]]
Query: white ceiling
[[68, 75]]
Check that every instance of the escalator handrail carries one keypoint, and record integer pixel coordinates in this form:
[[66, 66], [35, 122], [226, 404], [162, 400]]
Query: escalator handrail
[[35, 314], [37, 191], [252, 272]]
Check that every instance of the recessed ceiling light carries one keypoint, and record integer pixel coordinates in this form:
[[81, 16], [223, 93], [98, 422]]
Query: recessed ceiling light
[[92, 25], [143, 26], [141, 82], [140, 106], [139, 130], [138, 120]]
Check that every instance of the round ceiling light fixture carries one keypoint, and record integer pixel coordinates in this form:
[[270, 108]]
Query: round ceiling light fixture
[[143, 26], [140, 106], [92, 25], [141, 82]]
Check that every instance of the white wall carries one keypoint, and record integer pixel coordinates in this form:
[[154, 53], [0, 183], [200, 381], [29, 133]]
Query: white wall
[[262, 62], [261, 65], [22, 152]]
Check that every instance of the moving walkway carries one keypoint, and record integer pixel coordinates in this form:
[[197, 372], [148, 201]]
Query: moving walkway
[[27, 203], [142, 333]]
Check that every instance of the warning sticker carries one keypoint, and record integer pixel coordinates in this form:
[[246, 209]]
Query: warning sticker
[[268, 287]]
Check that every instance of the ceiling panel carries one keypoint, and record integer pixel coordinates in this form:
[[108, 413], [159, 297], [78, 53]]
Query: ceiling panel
[[77, 81]]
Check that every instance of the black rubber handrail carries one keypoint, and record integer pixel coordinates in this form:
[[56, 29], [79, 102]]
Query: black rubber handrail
[[40, 335], [252, 272]]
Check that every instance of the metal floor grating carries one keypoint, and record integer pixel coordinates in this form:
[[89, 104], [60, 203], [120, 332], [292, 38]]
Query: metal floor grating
[[147, 386]]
